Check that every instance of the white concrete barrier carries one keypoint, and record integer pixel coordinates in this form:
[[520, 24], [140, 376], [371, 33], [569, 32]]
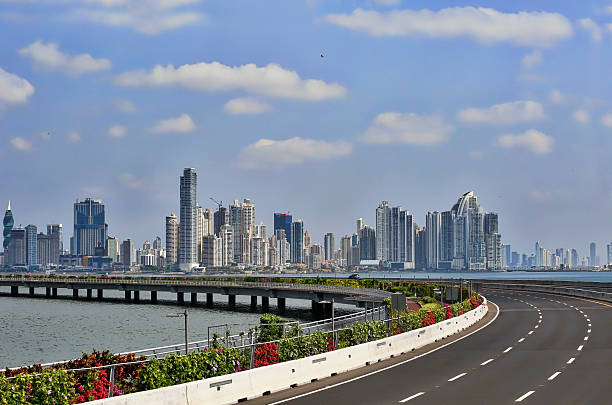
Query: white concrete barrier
[[231, 388]]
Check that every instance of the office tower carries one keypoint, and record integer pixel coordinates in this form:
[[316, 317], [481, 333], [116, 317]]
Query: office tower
[[220, 219], [609, 253], [283, 248], [48, 249], [8, 222], [128, 255], [16, 254], [420, 248], [297, 242], [367, 244], [199, 234], [506, 256], [538, 254], [242, 219], [593, 254], [447, 247], [57, 229], [468, 234], [406, 240], [208, 250], [90, 228], [315, 257], [172, 239], [226, 234], [360, 224], [113, 249], [283, 221], [329, 244], [31, 245], [345, 248], [433, 221], [383, 232], [515, 262], [187, 257]]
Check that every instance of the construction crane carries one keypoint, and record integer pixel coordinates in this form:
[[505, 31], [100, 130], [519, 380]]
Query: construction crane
[[219, 203]]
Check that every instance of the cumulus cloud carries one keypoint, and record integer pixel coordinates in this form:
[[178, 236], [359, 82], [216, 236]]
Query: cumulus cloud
[[485, 25], [514, 112], [73, 137], [606, 120], [407, 128], [21, 144], [271, 154], [270, 80], [582, 116], [14, 89], [50, 57], [246, 105], [116, 131], [387, 2], [591, 27], [125, 106], [149, 17], [534, 141], [183, 123], [556, 97], [532, 59]]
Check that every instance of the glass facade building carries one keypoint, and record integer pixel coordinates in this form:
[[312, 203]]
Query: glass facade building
[[90, 228]]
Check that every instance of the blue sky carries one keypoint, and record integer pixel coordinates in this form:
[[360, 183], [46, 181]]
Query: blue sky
[[413, 103]]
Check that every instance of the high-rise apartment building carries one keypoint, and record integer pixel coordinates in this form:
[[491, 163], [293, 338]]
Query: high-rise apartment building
[[447, 246], [315, 256], [242, 220], [360, 224], [593, 255], [172, 239], [48, 248], [609, 252], [113, 249], [283, 221], [16, 254], [282, 246], [433, 221], [226, 234], [367, 244], [329, 244], [90, 228], [57, 229], [208, 250], [188, 257], [220, 219], [383, 232], [128, 253], [31, 245], [297, 242]]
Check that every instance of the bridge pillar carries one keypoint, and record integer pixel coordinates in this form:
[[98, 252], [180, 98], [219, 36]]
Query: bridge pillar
[[231, 300], [209, 300], [180, 297], [128, 295], [31, 291], [326, 310], [153, 297], [265, 304], [48, 291], [137, 296], [282, 305], [253, 303], [75, 293], [89, 293], [14, 291], [321, 310], [194, 298], [54, 292], [100, 294]]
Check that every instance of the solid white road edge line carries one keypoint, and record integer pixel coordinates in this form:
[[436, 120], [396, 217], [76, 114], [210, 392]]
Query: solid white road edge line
[[391, 366]]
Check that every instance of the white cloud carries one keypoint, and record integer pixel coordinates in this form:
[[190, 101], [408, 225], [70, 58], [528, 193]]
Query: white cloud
[[73, 137], [591, 27], [582, 116], [246, 105], [271, 154], [271, 80], [50, 57], [556, 97], [507, 113], [534, 141], [145, 16], [116, 131], [606, 120], [125, 106], [485, 25], [131, 181], [532, 59], [387, 2], [407, 128], [21, 144], [183, 123], [548, 195], [14, 89]]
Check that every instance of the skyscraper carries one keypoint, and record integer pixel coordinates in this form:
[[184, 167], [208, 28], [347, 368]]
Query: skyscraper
[[90, 228], [48, 248], [57, 229], [360, 224], [283, 221], [187, 229], [367, 243], [493, 242], [383, 232], [609, 251], [329, 245], [220, 219], [113, 249], [16, 255], [593, 254], [242, 220], [447, 248], [31, 245], [172, 239], [433, 221], [8, 226], [128, 254], [226, 234], [297, 242]]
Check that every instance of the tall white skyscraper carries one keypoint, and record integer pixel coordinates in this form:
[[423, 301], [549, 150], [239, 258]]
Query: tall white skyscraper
[[188, 257], [172, 239], [226, 234], [433, 221], [383, 232]]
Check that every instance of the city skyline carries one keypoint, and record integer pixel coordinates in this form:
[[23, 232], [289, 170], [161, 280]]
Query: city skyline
[[516, 116]]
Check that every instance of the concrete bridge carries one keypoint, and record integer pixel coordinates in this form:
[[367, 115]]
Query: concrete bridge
[[135, 289]]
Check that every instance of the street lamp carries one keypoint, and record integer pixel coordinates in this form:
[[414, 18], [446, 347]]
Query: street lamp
[[178, 315]]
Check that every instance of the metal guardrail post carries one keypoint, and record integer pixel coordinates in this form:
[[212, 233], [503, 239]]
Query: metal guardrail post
[[252, 351], [111, 380]]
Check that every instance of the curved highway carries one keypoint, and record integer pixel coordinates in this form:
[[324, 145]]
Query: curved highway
[[540, 348]]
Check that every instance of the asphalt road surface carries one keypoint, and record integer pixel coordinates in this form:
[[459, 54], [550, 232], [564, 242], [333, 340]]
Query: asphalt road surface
[[540, 349]]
